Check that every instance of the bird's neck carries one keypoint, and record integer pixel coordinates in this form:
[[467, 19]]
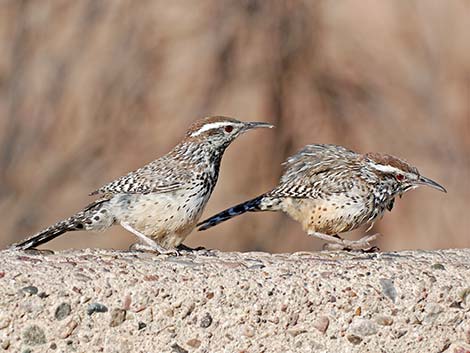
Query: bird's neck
[[202, 156], [385, 193]]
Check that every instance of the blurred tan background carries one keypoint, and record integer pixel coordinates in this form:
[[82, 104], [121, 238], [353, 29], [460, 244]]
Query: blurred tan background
[[92, 89]]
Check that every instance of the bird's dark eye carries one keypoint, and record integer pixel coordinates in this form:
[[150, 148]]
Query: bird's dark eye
[[400, 177], [229, 128]]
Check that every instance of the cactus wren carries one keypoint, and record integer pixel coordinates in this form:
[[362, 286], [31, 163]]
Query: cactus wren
[[161, 202], [330, 189]]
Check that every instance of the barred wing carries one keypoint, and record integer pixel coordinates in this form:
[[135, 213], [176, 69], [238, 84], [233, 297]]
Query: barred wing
[[317, 169], [159, 176]]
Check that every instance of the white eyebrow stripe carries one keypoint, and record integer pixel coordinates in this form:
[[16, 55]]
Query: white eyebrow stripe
[[386, 168], [210, 127]]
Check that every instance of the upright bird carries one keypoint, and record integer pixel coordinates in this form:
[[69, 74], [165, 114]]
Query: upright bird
[[330, 190], [161, 202]]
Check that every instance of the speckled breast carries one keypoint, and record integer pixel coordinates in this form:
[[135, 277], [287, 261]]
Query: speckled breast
[[170, 215], [336, 214]]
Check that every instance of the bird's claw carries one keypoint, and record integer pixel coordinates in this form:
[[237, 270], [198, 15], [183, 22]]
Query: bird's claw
[[200, 250], [154, 249], [362, 244], [183, 247]]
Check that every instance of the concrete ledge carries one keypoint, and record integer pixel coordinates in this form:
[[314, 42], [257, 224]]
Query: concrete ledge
[[108, 301]]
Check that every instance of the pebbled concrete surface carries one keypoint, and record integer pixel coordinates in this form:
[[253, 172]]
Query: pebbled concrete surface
[[109, 301]]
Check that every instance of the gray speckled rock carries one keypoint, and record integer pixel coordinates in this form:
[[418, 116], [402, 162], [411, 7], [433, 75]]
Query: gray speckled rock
[[33, 336], [211, 302], [96, 308], [4, 322], [363, 327], [117, 317], [62, 311]]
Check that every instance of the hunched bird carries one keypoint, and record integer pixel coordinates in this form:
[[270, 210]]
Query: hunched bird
[[330, 190], [161, 202]]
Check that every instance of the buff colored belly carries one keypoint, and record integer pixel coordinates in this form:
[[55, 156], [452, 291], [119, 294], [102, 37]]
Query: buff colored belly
[[330, 217], [166, 218]]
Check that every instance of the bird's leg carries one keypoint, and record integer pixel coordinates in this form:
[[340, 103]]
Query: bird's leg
[[335, 242], [361, 244], [333, 239], [150, 245], [159, 249]]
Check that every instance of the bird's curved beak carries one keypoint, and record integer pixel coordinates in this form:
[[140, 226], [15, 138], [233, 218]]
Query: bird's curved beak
[[256, 125], [428, 182]]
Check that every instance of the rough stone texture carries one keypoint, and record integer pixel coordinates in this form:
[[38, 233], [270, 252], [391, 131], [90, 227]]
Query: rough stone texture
[[412, 301]]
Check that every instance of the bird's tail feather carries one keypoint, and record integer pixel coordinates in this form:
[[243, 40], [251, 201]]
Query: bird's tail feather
[[50, 233], [82, 220], [254, 205]]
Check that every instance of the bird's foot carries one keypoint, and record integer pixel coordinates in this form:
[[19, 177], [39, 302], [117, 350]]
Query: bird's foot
[[200, 250], [148, 245], [362, 244], [371, 250], [154, 248], [183, 247]]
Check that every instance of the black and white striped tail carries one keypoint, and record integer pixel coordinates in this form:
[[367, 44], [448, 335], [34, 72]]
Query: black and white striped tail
[[50, 233], [260, 203], [82, 220]]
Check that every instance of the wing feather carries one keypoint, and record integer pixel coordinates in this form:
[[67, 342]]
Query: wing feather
[[156, 177], [314, 170]]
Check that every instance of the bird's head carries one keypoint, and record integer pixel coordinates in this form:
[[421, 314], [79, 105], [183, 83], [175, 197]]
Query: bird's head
[[220, 131], [399, 174]]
